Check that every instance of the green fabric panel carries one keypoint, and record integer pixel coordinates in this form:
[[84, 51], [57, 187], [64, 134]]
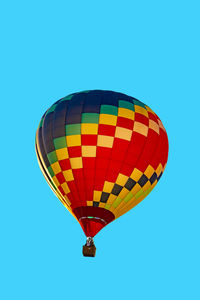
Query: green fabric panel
[[139, 103], [41, 122], [69, 97], [117, 202], [90, 118], [52, 157], [51, 172], [60, 142], [128, 197], [147, 192], [51, 109], [53, 185], [126, 104], [107, 206], [109, 109], [139, 194], [73, 129], [86, 91]]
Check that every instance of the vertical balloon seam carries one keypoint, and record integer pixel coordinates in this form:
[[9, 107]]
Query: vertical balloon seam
[[84, 182], [95, 162], [67, 105], [56, 191], [144, 194], [45, 149], [47, 175], [110, 155], [142, 150], [54, 120], [73, 192], [50, 183], [115, 210], [166, 138], [121, 163], [101, 103], [140, 199], [126, 152]]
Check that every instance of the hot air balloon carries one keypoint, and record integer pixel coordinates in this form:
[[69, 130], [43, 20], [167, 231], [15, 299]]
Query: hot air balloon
[[102, 153]]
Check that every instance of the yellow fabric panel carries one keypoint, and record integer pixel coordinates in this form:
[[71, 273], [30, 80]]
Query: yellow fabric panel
[[108, 186], [161, 124], [140, 128], [62, 153], [56, 168], [55, 181], [149, 171], [149, 109], [107, 119], [89, 151], [136, 174], [89, 128], [159, 169], [112, 208], [101, 204], [68, 175], [76, 162], [123, 133], [73, 140], [105, 141], [141, 110], [154, 126], [130, 205], [119, 207], [123, 193], [136, 189], [111, 199], [67, 199], [154, 184], [126, 113], [121, 179], [107, 206], [89, 203], [97, 196], [146, 186], [65, 188]]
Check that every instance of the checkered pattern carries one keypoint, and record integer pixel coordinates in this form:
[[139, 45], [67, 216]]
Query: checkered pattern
[[126, 189], [101, 149]]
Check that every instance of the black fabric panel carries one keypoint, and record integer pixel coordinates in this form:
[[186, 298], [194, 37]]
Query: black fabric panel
[[130, 184], [73, 119], [92, 102], [109, 98], [42, 149], [47, 132], [59, 119], [116, 189], [143, 179], [104, 197], [159, 176], [153, 178]]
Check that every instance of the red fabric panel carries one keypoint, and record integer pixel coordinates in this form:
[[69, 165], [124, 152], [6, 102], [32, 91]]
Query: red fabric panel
[[142, 119], [65, 164], [106, 130], [89, 139], [74, 151], [125, 123]]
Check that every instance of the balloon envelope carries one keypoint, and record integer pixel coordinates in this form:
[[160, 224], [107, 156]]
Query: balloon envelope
[[102, 153]]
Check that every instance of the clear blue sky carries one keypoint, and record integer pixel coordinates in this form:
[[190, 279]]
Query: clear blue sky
[[147, 49]]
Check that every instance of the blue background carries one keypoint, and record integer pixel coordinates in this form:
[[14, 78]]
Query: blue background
[[147, 49]]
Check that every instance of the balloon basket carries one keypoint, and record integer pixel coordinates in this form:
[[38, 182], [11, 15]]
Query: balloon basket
[[89, 248]]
